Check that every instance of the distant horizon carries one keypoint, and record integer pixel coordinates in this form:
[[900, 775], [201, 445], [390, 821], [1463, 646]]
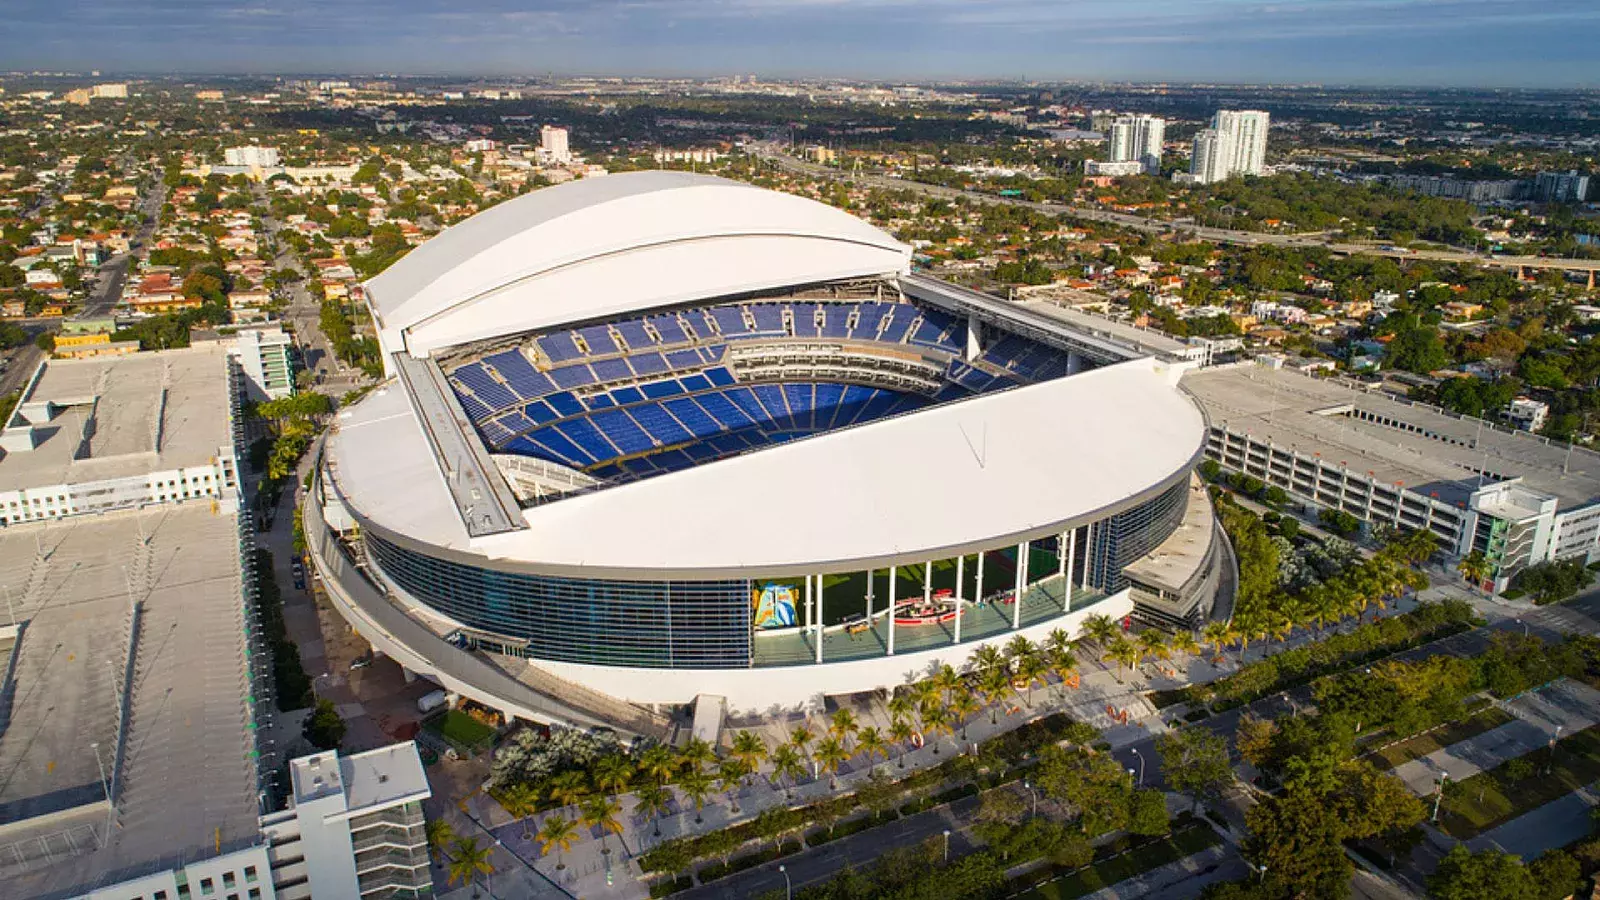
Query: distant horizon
[[105, 74], [1544, 44]]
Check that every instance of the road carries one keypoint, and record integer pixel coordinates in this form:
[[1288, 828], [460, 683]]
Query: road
[[1148, 225], [108, 287], [303, 315]]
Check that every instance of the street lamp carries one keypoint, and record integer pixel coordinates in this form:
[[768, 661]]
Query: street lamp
[[947, 845], [788, 888], [1551, 759], [1439, 795], [1035, 795], [1141, 766]]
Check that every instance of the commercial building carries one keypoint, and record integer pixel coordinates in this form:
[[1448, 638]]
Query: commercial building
[[1137, 139], [266, 360], [124, 432], [662, 436], [553, 143], [1518, 498], [1561, 187], [1235, 144], [1527, 414], [251, 156], [1093, 167], [353, 827]]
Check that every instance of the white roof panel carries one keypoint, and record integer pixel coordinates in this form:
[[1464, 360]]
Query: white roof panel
[[620, 243]]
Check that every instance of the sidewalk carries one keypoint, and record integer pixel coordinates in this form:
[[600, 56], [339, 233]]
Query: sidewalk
[[1567, 705], [1555, 824], [1179, 880]]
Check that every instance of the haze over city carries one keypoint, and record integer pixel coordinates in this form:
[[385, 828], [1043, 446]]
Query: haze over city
[[1421, 42]]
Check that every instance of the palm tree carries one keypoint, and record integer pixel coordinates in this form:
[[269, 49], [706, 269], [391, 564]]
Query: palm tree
[[1153, 643], [800, 737], [612, 774], [1216, 634], [901, 732], [787, 763], [558, 832], [987, 656], [654, 801], [696, 785], [730, 775], [870, 742], [749, 749], [1475, 568], [994, 683], [1184, 642], [945, 681], [1030, 669], [903, 704], [521, 800], [658, 763], [1019, 648], [567, 788], [1125, 653], [1058, 640], [696, 754], [1063, 664], [966, 706], [1100, 629], [468, 862], [936, 718], [842, 725], [830, 754], [602, 811], [439, 834]]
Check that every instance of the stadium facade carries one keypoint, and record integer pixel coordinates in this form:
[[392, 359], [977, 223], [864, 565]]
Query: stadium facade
[[659, 436]]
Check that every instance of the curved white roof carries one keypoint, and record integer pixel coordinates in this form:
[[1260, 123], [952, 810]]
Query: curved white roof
[[940, 481], [615, 244]]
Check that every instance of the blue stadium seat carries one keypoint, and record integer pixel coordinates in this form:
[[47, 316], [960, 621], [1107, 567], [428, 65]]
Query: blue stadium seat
[[572, 376], [632, 331], [600, 401], [599, 340], [805, 320], [692, 416], [648, 363], [659, 425], [771, 398], [685, 359], [622, 430], [828, 397], [564, 404], [540, 412], [724, 410], [769, 319], [900, 319], [721, 377], [588, 438], [475, 409], [745, 399], [625, 395], [695, 382], [730, 322], [611, 370], [557, 447], [559, 347], [656, 390], [837, 324], [671, 332]]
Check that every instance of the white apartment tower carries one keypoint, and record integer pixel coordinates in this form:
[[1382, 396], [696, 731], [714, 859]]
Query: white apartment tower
[[1138, 139], [553, 141], [1235, 144], [251, 155]]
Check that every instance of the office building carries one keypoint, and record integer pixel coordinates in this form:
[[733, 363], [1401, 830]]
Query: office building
[[553, 142], [1092, 168], [266, 359], [353, 827], [565, 505], [1235, 144], [1137, 139], [1561, 187], [116, 91], [251, 155]]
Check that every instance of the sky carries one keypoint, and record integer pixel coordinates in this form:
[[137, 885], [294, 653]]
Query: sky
[[1512, 43]]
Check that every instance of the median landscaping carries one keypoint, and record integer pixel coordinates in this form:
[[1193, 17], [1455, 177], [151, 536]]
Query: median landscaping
[[1143, 858], [1421, 745], [1493, 798]]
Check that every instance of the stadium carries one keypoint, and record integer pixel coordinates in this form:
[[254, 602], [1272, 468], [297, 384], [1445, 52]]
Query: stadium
[[657, 436]]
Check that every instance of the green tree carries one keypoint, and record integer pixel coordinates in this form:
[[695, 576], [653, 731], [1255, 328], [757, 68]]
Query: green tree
[[467, 861], [323, 728], [1196, 763], [1147, 812], [557, 832], [1486, 875]]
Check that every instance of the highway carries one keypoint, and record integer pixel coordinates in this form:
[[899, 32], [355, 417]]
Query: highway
[[1159, 226]]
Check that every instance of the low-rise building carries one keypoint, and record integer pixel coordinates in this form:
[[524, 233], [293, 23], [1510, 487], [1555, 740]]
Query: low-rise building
[[1527, 414]]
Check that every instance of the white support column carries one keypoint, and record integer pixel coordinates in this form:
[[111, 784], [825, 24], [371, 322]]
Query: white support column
[[1061, 554], [893, 572], [819, 618], [961, 589], [808, 603], [927, 582], [1088, 553], [978, 593], [1022, 575], [869, 598], [1072, 549]]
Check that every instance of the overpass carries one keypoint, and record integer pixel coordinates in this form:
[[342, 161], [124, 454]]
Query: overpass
[[1522, 264]]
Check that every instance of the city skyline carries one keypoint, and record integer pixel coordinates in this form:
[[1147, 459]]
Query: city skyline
[[1400, 42]]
